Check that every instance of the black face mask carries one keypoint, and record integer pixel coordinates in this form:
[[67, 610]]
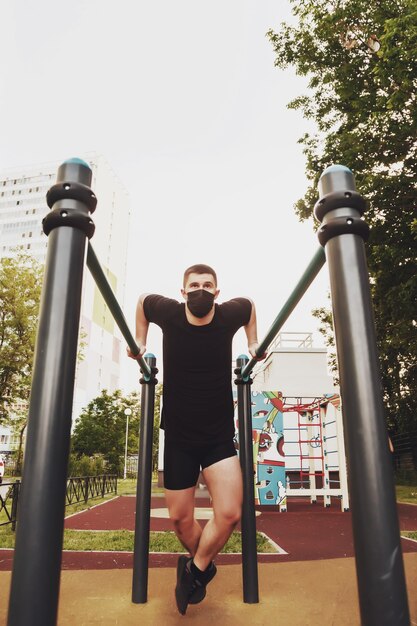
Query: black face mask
[[200, 302]]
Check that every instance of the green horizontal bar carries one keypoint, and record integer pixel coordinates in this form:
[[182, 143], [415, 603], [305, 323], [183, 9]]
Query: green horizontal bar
[[110, 299], [303, 284]]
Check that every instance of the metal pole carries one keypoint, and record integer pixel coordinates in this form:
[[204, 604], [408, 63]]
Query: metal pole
[[299, 290], [144, 485], [37, 560], [248, 522], [379, 562], [15, 503]]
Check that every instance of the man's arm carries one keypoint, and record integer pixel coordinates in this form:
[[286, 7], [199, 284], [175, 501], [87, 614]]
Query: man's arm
[[252, 334], [142, 326]]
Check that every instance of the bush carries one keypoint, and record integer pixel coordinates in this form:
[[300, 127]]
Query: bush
[[86, 466]]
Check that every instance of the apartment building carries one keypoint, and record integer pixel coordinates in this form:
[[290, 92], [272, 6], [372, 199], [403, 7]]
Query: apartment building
[[22, 208]]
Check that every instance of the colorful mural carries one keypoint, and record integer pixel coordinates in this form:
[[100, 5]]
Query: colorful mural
[[268, 447]]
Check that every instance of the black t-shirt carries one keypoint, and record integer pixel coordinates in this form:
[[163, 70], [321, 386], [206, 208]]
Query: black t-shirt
[[197, 392]]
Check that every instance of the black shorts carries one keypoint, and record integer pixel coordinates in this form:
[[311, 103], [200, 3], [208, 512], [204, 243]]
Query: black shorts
[[182, 462]]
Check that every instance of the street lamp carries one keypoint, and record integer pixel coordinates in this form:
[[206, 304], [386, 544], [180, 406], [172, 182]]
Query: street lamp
[[127, 412]]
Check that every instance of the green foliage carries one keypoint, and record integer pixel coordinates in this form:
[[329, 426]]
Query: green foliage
[[20, 289], [155, 440], [363, 102], [123, 540], [326, 329], [101, 429], [86, 466]]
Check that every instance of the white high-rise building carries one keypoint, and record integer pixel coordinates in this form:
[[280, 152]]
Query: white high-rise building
[[22, 208]]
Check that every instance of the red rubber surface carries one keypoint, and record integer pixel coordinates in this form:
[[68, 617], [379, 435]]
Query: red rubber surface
[[306, 532]]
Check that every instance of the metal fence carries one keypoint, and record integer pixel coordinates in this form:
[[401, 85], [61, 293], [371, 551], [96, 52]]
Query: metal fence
[[405, 455], [9, 496], [84, 488]]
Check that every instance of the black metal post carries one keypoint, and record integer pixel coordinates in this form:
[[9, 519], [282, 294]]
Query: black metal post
[[144, 486], [15, 503], [248, 522], [379, 562], [37, 560]]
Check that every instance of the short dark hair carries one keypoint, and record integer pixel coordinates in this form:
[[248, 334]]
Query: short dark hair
[[200, 268]]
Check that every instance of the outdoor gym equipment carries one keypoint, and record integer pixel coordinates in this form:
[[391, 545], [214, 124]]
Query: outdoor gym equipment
[[37, 561]]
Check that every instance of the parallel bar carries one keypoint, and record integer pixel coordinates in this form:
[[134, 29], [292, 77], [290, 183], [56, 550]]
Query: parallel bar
[[379, 562], [110, 299], [303, 284], [144, 486], [248, 523]]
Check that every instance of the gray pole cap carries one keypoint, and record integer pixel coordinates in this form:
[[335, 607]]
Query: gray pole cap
[[336, 178]]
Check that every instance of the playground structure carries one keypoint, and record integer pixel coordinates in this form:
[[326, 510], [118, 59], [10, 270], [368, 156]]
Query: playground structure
[[298, 449], [379, 562]]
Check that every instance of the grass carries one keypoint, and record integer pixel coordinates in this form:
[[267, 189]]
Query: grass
[[122, 541], [406, 494]]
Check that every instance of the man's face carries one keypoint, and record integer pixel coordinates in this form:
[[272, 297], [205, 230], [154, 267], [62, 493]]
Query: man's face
[[200, 281]]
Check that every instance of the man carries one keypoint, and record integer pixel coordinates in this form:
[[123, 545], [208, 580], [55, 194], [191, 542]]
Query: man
[[197, 416]]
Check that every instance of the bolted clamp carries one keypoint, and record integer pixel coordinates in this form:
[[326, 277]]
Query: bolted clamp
[[241, 381], [339, 200], [341, 226], [71, 203], [152, 380], [340, 206]]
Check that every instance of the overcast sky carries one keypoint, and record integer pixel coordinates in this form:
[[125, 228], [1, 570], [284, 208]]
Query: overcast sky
[[183, 100]]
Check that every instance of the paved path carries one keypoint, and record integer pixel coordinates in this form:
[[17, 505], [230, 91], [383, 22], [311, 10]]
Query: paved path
[[311, 585], [310, 593]]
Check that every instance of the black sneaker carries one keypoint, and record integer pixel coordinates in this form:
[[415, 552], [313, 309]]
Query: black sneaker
[[200, 592], [187, 584]]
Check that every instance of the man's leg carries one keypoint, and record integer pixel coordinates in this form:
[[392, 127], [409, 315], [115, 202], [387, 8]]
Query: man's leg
[[180, 504], [224, 482]]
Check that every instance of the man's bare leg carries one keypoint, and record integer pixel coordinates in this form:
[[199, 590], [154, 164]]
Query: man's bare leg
[[180, 504], [224, 482]]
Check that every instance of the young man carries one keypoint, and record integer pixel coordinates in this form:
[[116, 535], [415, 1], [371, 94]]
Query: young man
[[197, 416]]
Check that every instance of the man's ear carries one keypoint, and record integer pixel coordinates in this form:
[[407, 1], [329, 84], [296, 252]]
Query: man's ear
[[216, 293], [184, 295]]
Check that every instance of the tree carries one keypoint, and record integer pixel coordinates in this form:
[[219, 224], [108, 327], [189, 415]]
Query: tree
[[20, 289], [360, 59], [101, 428], [156, 423]]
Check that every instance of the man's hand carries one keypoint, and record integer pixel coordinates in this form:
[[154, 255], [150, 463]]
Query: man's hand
[[142, 350], [252, 347]]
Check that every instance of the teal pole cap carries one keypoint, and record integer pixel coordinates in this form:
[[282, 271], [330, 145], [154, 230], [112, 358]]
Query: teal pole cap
[[76, 161], [332, 169], [149, 355]]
